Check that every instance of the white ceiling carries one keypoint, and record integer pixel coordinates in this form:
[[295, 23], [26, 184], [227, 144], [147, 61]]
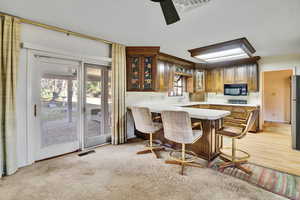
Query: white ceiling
[[272, 26]]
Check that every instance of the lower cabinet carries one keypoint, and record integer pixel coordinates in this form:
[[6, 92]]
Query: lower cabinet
[[237, 112]]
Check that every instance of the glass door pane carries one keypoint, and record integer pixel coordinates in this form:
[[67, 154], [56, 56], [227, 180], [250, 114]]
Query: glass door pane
[[56, 108], [96, 106]]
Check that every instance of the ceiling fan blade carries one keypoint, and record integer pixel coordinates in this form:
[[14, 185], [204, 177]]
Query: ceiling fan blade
[[169, 11]]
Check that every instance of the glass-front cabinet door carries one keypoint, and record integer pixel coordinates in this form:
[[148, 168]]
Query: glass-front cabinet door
[[148, 73], [134, 73]]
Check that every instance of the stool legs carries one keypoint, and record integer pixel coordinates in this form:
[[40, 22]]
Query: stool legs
[[151, 148], [234, 161], [182, 161]]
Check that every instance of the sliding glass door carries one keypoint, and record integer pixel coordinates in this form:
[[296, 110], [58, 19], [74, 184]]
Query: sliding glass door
[[55, 107], [70, 106], [96, 105]]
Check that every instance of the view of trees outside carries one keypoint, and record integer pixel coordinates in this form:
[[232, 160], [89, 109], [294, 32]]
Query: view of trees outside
[[59, 111]]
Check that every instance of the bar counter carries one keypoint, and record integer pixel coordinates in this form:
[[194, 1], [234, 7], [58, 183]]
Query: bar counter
[[207, 146]]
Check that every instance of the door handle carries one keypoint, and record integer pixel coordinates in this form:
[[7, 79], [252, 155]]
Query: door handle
[[34, 110]]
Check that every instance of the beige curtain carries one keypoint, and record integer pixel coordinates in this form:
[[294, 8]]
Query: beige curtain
[[119, 135], [9, 55]]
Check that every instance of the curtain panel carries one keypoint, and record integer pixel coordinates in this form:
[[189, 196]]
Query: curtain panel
[[119, 134], [9, 58]]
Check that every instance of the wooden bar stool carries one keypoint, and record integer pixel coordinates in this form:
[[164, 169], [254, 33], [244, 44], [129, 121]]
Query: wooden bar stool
[[144, 123], [178, 128], [234, 133]]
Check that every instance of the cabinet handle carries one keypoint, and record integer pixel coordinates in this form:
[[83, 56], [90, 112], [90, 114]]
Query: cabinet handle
[[34, 110]]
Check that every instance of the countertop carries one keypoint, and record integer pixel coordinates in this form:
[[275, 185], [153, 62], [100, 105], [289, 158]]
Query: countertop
[[213, 103], [206, 114]]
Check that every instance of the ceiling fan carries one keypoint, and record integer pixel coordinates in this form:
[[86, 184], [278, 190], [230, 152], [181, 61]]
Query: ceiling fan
[[170, 8], [169, 11]]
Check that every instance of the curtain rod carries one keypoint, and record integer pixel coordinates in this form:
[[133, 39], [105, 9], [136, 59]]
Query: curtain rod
[[55, 28]]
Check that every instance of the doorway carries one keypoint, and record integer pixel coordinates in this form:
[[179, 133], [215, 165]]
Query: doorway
[[69, 104], [277, 96]]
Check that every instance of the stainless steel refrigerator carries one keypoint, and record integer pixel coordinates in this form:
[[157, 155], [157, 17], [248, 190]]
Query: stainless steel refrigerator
[[296, 112]]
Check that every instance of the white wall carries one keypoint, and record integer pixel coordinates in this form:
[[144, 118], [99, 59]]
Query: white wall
[[272, 63], [52, 40]]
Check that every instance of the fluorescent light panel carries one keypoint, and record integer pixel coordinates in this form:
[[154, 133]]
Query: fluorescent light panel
[[226, 58], [230, 54]]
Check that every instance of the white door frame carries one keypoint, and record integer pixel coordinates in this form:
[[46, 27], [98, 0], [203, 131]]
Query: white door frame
[[32, 51]]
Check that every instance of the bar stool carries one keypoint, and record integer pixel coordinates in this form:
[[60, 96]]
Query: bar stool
[[178, 128], [232, 132], [144, 123]]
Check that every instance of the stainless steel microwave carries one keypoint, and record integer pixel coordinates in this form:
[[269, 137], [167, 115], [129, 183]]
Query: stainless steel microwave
[[236, 89]]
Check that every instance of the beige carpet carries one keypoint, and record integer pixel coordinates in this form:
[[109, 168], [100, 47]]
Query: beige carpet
[[117, 173]]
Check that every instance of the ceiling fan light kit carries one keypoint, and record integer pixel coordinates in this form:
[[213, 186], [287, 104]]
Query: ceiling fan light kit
[[170, 8], [187, 5]]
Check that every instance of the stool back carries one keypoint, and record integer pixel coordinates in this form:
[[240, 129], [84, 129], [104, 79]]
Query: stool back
[[250, 122], [177, 126], [143, 119]]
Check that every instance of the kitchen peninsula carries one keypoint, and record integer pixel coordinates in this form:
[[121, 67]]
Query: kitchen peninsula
[[206, 147]]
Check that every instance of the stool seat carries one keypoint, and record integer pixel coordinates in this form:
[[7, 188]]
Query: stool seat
[[230, 131]]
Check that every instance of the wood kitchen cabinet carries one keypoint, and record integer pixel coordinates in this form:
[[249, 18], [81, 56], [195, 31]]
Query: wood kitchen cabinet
[[141, 68], [237, 113], [214, 80], [150, 70], [199, 80], [164, 80], [240, 74], [253, 77], [229, 76]]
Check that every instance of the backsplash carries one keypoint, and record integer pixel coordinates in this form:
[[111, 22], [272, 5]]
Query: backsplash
[[134, 98], [252, 98]]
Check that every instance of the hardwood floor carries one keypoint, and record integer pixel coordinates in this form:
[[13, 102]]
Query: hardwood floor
[[272, 148]]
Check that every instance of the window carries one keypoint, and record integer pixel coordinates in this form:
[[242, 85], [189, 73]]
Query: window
[[178, 86]]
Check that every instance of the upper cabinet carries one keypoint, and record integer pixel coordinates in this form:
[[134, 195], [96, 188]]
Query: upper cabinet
[[217, 77], [240, 74], [215, 80], [141, 68], [199, 78], [229, 75], [236, 74], [150, 70], [164, 73], [253, 78]]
